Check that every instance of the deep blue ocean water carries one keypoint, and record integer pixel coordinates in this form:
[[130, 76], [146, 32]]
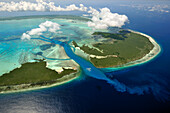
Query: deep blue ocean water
[[89, 95]]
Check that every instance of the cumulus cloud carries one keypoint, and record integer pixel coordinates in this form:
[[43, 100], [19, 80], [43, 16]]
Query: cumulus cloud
[[25, 36], [43, 27], [40, 5], [101, 19], [105, 18]]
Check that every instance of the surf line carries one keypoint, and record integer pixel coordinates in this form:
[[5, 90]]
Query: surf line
[[87, 67]]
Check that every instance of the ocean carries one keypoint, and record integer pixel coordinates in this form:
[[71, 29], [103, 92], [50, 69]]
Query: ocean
[[90, 95]]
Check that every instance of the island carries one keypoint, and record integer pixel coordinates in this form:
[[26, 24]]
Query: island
[[33, 76], [120, 49]]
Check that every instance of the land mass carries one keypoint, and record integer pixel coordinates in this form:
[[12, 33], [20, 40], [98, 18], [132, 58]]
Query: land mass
[[117, 49], [32, 75], [114, 50]]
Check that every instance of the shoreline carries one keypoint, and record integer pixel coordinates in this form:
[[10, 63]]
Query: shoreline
[[68, 78], [148, 57], [63, 80]]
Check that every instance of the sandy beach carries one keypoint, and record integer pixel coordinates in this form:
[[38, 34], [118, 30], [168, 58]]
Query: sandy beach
[[148, 57], [152, 54], [21, 88]]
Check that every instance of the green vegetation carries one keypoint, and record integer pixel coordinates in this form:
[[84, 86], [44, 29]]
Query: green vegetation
[[108, 62], [93, 51], [110, 35], [127, 46], [33, 73]]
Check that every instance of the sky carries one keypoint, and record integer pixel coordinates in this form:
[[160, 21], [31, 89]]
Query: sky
[[101, 2], [151, 5]]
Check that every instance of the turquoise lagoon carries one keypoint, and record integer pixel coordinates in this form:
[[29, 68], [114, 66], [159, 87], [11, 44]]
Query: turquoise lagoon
[[89, 93]]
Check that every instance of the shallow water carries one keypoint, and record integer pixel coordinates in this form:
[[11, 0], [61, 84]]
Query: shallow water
[[88, 95]]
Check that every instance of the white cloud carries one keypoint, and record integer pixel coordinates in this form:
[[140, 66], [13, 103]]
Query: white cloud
[[164, 8], [40, 5], [100, 19], [159, 8], [25, 36], [105, 19], [43, 27]]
